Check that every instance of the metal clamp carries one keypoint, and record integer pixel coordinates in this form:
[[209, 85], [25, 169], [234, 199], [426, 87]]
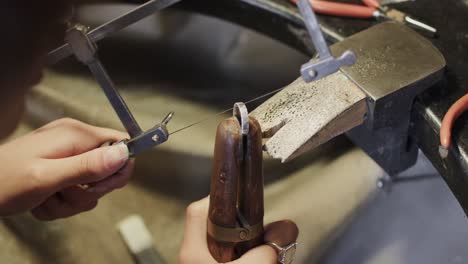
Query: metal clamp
[[233, 235], [325, 64], [83, 48], [150, 138]]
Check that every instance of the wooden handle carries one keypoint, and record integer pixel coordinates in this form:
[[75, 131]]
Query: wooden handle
[[236, 184], [250, 195]]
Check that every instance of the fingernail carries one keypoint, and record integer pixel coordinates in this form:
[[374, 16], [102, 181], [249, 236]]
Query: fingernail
[[116, 156]]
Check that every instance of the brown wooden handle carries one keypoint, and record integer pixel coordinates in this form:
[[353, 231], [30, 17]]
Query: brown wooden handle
[[236, 185]]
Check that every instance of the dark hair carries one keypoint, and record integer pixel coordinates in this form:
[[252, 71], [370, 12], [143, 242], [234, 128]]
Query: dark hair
[[29, 29]]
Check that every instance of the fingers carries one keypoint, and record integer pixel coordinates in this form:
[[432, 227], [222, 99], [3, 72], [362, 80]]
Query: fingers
[[92, 166], [74, 199], [54, 207], [68, 137], [262, 254], [76, 196], [57, 157], [194, 247], [116, 181], [195, 223], [282, 233]]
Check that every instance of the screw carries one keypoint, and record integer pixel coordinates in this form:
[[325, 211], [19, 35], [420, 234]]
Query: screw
[[443, 152], [243, 235], [380, 184], [312, 73], [155, 138]]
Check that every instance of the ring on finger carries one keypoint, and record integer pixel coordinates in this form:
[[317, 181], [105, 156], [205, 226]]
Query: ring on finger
[[285, 254]]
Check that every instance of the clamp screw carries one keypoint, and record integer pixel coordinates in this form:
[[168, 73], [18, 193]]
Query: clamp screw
[[312, 73], [155, 138], [243, 235]]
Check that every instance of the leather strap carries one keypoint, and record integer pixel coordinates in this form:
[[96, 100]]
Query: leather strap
[[238, 234]]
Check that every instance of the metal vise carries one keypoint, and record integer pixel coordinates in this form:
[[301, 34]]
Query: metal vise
[[394, 65], [371, 100]]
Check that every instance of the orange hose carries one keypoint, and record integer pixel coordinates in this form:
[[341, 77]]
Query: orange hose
[[341, 9], [372, 3], [452, 114]]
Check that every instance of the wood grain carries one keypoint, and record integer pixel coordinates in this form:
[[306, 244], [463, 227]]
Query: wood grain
[[236, 184], [305, 115]]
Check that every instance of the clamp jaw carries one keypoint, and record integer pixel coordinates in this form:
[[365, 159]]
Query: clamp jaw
[[235, 218]]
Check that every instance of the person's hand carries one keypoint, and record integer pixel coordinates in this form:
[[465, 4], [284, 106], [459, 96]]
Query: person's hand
[[47, 170], [194, 248]]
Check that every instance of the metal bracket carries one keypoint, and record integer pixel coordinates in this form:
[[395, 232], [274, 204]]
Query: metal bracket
[[82, 44], [85, 51], [325, 64]]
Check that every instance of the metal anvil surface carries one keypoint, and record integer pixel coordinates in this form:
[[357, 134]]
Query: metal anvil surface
[[394, 65]]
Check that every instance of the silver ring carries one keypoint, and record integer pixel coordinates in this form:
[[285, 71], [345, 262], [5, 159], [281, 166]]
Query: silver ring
[[240, 111], [285, 254]]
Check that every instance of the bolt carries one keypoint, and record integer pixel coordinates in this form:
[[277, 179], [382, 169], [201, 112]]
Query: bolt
[[242, 235], [312, 73], [155, 138], [443, 152], [380, 184]]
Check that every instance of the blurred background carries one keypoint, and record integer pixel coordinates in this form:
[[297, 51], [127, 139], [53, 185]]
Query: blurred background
[[347, 209]]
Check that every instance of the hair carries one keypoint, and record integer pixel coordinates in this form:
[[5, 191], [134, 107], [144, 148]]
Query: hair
[[29, 29]]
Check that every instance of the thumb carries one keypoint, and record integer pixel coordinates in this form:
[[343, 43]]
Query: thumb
[[88, 167], [262, 254], [283, 233]]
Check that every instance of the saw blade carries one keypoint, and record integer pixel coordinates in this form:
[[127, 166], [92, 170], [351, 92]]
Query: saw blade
[[210, 117]]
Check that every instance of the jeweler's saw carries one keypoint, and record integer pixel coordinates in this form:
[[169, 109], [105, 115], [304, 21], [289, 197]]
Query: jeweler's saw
[[81, 42]]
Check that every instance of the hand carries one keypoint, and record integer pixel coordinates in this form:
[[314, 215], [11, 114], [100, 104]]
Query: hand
[[43, 170], [194, 248]]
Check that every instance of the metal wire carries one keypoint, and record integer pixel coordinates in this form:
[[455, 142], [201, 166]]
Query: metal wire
[[210, 117]]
